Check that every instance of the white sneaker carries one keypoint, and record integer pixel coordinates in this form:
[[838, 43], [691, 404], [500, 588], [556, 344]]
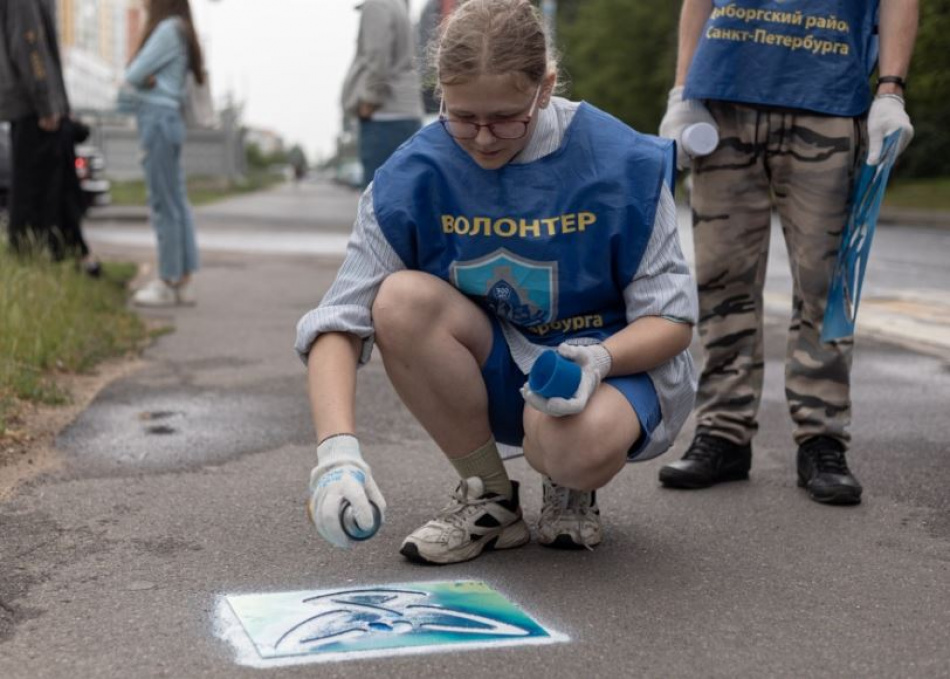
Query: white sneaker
[[569, 518], [473, 522], [158, 293], [185, 294]]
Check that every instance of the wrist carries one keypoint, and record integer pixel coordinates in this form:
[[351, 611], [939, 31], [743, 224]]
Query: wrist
[[891, 84], [604, 361], [889, 95], [890, 88], [339, 449]]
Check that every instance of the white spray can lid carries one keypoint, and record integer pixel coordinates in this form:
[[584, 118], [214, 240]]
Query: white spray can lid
[[700, 139]]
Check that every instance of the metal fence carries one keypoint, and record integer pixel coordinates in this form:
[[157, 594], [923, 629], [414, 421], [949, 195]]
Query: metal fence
[[217, 152]]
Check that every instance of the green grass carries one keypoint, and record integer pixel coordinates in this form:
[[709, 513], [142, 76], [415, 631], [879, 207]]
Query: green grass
[[55, 320], [201, 190], [920, 194]]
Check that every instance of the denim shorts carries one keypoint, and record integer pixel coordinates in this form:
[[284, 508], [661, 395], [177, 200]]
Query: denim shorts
[[504, 380]]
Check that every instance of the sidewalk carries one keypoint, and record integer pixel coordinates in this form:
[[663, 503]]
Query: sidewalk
[[186, 482], [906, 294], [897, 216], [118, 213]]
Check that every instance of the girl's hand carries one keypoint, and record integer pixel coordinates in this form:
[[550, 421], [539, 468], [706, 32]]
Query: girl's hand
[[150, 82], [341, 478], [366, 110], [594, 361]]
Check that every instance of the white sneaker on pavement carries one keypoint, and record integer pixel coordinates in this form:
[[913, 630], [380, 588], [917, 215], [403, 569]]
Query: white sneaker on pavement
[[185, 294], [473, 522], [569, 518], [158, 293]]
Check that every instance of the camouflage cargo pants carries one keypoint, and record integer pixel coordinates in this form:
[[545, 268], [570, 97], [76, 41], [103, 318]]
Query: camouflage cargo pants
[[805, 166]]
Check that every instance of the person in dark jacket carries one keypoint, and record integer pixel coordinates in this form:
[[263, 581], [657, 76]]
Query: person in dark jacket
[[46, 205]]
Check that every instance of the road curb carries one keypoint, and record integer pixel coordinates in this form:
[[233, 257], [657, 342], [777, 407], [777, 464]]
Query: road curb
[[118, 213], [922, 326], [899, 216]]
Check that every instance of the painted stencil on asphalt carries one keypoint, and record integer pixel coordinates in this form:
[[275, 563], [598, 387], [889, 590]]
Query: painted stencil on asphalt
[[339, 624]]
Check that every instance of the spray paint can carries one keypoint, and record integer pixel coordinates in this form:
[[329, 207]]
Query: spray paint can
[[352, 529], [552, 376]]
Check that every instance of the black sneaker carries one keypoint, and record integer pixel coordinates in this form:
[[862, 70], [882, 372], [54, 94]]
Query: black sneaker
[[708, 460], [92, 268], [823, 472]]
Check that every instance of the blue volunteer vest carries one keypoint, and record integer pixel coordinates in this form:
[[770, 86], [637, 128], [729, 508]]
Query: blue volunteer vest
[[807, 54], [548, 245]]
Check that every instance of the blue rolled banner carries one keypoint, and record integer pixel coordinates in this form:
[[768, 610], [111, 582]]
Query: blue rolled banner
[[848, 279]]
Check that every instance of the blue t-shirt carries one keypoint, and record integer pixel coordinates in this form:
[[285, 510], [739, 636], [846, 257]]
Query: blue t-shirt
[[550, 245], [814, 55]]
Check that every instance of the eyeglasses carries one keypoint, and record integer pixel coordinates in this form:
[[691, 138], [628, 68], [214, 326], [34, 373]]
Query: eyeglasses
[[503, 129]]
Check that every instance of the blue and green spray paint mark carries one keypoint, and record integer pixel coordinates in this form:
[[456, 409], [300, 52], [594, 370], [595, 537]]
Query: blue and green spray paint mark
[[376, 621]]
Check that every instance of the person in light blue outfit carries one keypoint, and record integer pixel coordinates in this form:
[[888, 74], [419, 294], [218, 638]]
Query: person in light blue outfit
[[158, 71]]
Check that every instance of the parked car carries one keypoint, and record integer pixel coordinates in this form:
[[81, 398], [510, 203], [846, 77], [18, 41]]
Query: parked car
[[350, 173], [90, 168]]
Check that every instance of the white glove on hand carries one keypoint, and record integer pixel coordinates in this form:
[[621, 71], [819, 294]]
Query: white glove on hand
[[342, 476], [887, 115], [594, 361], [679, 115]]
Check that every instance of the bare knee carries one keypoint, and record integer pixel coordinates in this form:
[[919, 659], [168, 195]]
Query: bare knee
[[587, 469], [404, 303], [575, 453]]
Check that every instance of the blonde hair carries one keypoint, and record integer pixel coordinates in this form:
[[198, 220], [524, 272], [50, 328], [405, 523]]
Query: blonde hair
[[493, 37]]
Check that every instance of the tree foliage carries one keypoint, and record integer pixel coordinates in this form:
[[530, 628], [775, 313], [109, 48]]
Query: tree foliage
[[620, 55], [928, 95], [258, 160]]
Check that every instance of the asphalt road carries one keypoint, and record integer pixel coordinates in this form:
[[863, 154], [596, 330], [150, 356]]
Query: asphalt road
[[186, 482]]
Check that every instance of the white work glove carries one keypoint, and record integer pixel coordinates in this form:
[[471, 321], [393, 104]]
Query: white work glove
[[679, 115], [342, 476], [887, 115], [594, 361]]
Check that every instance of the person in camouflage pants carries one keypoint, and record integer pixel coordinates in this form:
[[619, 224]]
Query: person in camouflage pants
[[807, 163], [788, 92]]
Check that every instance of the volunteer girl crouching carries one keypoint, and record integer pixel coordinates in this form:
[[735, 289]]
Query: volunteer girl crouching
[[518, 223]]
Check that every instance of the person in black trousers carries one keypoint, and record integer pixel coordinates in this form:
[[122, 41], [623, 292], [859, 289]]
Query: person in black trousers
[[46, 202]]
